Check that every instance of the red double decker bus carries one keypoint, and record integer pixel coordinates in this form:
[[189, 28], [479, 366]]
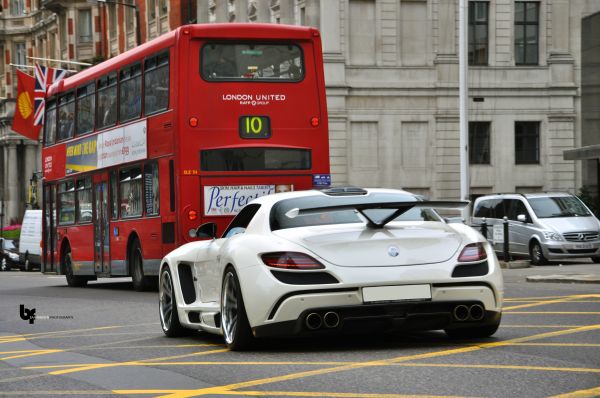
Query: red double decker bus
[[141, 149]]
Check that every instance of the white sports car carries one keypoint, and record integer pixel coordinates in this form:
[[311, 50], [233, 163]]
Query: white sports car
[[340, 260]]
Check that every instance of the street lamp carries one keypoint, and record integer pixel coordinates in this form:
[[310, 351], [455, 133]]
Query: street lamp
[[138, 35]]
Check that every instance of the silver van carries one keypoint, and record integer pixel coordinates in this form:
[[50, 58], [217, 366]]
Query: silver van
[[543, 226]]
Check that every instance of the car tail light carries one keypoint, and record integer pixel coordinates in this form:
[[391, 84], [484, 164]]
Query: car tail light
[[291, 260], [472, 252]]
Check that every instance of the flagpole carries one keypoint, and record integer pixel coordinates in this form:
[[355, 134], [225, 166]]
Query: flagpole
[[61, 61]]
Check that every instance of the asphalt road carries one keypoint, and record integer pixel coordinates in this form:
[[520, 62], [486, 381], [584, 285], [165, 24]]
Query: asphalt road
[[105, 339]]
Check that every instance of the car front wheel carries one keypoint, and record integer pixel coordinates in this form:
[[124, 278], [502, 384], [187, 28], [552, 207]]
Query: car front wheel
[[234, 322], [167, 305], [536, 255]]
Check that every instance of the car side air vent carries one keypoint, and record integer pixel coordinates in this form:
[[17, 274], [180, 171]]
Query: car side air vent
[[344, 191]]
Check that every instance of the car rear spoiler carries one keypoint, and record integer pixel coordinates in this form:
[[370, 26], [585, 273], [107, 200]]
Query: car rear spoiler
[[399, 207]]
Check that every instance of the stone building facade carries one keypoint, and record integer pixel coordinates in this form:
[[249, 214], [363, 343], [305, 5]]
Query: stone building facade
[[392, 88]]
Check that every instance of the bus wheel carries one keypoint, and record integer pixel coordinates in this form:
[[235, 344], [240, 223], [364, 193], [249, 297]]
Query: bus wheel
[[72, 280], [167, 305], [136, 265]]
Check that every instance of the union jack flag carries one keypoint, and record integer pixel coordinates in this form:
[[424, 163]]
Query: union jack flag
[[43, 78]]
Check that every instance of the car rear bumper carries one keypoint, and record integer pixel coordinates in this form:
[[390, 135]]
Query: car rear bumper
[[390, 317]]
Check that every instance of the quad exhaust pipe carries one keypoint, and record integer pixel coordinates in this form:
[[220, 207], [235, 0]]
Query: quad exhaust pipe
[[331, 320], [463, 313], [315, 321]]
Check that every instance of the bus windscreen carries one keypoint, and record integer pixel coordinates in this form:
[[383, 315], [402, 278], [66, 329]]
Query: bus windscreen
[[251, 61]]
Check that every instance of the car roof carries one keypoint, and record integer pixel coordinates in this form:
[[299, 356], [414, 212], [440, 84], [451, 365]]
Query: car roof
[[523, 195]]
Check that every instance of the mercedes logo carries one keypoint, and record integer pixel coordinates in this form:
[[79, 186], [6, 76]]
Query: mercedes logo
[[393, 251], [580, 236]]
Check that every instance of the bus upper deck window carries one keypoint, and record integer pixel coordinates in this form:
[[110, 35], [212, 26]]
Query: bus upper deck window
[[252, 61], [156, 83], [50, 123], [106, 111], [66, 116], [85, 109]]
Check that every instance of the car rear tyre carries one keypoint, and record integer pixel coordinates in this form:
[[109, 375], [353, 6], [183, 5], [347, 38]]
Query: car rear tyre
[[474, 332], [136, 261], [167, 306], [536, 255], [234, 322], [72, 280]]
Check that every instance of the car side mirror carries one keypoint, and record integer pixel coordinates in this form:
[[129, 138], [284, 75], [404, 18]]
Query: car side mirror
[[522, 218], [207, 231]]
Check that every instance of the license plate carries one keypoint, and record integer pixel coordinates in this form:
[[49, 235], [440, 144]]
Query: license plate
[[584, 246], [396, 293]]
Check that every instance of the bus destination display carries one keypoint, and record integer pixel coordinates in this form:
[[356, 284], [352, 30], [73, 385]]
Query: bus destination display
[[255, 127]]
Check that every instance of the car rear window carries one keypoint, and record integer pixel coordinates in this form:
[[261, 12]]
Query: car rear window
[[285, 214]]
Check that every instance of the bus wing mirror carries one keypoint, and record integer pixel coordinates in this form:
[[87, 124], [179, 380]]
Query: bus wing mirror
[[207, 231]]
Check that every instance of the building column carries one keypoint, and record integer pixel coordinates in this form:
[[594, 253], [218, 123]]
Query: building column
[[312, 10], [11, 194], [263, 11], [30, 166], [202, 14], [446, 60], [241, 10], [560, 60], [286, 12], [221, 11]]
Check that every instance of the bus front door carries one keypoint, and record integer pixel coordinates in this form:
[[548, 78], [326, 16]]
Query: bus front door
[[50, 257], [101, 229]]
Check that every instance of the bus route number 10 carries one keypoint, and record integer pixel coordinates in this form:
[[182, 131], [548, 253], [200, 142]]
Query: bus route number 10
[[255, 127]]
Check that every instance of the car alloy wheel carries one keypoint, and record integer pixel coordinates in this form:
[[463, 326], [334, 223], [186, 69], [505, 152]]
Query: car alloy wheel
[[167, 306], [536, 254], [234, 322]]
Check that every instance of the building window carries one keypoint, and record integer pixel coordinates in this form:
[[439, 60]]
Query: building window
[[16, 7], [129, 17], [478, 32], [479, 142], [20, 54], [526, 32], [151, 10], [85, 26], [112, 20], [527, 142]]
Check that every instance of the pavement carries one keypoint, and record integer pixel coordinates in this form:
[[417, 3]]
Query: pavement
[[556, 272]]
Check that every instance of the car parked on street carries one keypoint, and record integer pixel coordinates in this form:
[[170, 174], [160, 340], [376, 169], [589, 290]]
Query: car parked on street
[[543, 226], [339, 260], [9, 255]]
